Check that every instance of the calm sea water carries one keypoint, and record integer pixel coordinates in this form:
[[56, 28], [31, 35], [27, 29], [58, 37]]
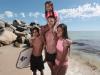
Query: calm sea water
[[84, 35], [86, 41]]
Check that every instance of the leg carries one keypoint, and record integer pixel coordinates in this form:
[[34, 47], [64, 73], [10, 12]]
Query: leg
[[45, 56], [42, 73], [63, 70], [34, 72], [56, 68], [51, 67]]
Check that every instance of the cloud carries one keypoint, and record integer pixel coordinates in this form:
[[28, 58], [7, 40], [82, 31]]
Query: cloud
[[15, 15], [43, 15], [1, 16], [30, 14], [84, 11], [22, 14], [36, 14], [8, 14]]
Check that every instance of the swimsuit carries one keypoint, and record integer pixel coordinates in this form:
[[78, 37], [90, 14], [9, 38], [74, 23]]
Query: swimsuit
[[50, 57], [59, 47], [36, 63]]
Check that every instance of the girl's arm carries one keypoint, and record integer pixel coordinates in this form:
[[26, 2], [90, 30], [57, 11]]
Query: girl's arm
[[65, 51], [69, 51], [66, 46], [69, 42]]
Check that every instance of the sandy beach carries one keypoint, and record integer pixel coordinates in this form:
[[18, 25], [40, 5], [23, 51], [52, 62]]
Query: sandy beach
[[9, 55]]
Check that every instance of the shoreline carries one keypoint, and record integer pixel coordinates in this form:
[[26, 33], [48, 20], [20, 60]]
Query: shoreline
[[92, 60]]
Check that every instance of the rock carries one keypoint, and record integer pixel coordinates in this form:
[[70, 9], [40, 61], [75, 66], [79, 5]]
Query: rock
[[7, 37]]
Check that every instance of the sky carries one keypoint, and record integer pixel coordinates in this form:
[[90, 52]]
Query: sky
[[78, 15]]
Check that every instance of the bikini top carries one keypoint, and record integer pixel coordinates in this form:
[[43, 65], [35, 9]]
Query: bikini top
[[60, 44]]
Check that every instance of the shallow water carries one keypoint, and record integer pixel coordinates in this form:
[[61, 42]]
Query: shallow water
[[86, 41], [87, 45]]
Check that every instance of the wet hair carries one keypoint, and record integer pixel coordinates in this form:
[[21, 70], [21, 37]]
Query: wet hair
[[35, 28], [65, 32], [52, 11], [53, 18], [38, 24], [32, 23]]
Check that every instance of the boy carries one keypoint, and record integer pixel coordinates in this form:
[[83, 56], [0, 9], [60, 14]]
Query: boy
[[37, 44]]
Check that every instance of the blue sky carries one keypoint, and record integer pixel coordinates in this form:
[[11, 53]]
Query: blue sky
[[78, 15]]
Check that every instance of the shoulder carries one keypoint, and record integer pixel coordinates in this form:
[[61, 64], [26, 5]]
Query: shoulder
[[67, 42], [44, 28]]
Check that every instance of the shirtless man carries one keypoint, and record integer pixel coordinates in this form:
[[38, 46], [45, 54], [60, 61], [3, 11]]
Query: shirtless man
[[37, 44], [50, 38]]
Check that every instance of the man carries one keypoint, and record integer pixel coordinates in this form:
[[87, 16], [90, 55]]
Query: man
[[50, 40]]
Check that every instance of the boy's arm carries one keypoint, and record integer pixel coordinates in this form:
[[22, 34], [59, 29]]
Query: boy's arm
[[30, 41]]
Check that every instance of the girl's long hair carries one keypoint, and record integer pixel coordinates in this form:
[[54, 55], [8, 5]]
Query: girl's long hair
[[52, 11], [65, 32]]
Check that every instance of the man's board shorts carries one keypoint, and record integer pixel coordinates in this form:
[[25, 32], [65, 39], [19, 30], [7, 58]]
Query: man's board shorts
[[50, 57], [36, 63]]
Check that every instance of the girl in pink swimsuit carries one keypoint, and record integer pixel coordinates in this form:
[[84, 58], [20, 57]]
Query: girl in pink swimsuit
[[63, 45]]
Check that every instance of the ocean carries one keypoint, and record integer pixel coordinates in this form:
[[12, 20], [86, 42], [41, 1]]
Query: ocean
[[86, 45], [86, 41]]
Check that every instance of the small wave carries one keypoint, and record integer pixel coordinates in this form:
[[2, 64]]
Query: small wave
[[88, 46]]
